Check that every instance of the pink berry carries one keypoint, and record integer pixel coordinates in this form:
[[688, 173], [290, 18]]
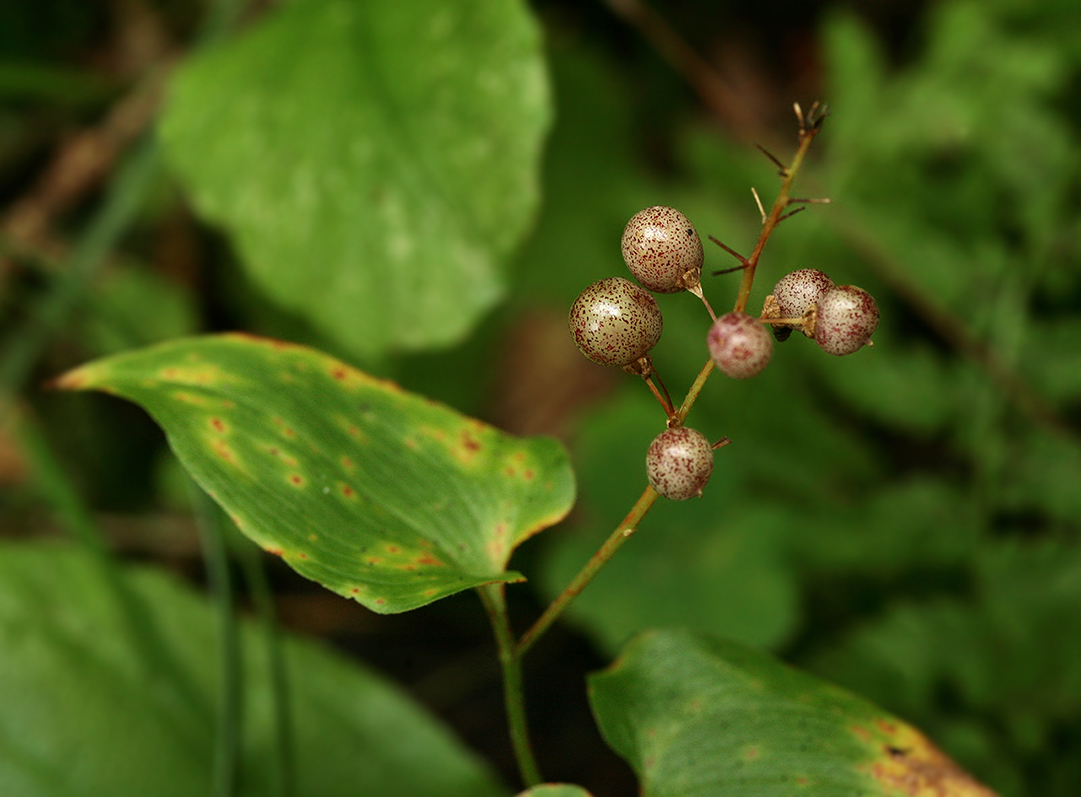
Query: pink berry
[[799, 290], [847, 316], [615, 322], [679, 463], [662, 249], [740, 345]]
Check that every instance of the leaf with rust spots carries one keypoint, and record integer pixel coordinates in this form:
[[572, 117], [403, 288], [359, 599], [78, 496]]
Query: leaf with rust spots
[[911, 765], [699, 716], [373, 492]]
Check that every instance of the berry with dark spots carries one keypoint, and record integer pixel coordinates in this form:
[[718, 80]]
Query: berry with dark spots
[[798, 291], [740, 345], [847, 317], [679, 463], [615, 322], [662, 249]]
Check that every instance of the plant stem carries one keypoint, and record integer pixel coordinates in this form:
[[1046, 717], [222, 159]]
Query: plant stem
[[806, 136], [227, 733], [696, 388], [493, 596], [624, 530], [280, 767], [621, 534]]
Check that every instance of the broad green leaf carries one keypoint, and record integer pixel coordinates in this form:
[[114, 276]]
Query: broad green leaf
[[374, 162], [555, 790], [375, 493], [109, 682], [704, 717]]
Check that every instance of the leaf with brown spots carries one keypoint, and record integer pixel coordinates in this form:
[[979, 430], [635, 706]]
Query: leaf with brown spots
[[377, 494], [699, 716]]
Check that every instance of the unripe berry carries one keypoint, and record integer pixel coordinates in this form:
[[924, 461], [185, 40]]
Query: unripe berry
[[679, 463], [615, 322], [740, 345], [798, 291], [662, 249], [847, 316]]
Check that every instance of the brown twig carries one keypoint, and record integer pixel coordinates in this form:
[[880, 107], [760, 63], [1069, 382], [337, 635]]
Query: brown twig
[[723, 100], [82, 163]]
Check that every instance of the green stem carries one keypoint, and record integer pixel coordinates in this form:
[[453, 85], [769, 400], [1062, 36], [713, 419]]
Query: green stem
[[227, 736], [696, 388], [493, 596], [280, 765], [621, 534]]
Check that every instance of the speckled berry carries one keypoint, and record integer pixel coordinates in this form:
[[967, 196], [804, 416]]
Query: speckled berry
[[740, 345], [615, 322], [847, 317], [798, 291], [662, 249], [679, 463]]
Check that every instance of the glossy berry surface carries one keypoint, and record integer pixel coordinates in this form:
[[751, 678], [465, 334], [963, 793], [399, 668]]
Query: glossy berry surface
[[615, 322], [847, 317], [799, 290], [662, 249], [679, 463], [740, 345]]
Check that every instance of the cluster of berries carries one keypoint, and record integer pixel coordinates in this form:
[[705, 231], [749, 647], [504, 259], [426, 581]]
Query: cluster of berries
[[839, 318], [617, 322]]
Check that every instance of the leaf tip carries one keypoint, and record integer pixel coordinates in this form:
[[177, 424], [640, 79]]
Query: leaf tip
[[908, 762], [76, 379]]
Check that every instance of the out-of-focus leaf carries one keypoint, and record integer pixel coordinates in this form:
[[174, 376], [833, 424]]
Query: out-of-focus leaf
[[914, 523], [135, 307], [1043, 476], [380, 495], [1010, 652], [1052, 355], [698, 716], [373, 165], [109, 685], [908, 388], [593, 182]]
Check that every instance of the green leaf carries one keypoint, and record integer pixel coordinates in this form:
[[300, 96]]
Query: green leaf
[[109, 684], [555, 790], [698, 716], [374, 165], [377, 494]]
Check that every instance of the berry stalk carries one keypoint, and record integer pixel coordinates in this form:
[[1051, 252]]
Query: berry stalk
[[622, 533]]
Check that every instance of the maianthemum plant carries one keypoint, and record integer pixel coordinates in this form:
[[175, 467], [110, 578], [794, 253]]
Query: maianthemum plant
[[395, 501], [366, 179]]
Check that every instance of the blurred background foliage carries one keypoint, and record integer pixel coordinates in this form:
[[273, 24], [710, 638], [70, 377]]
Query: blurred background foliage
[[903, 521]]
